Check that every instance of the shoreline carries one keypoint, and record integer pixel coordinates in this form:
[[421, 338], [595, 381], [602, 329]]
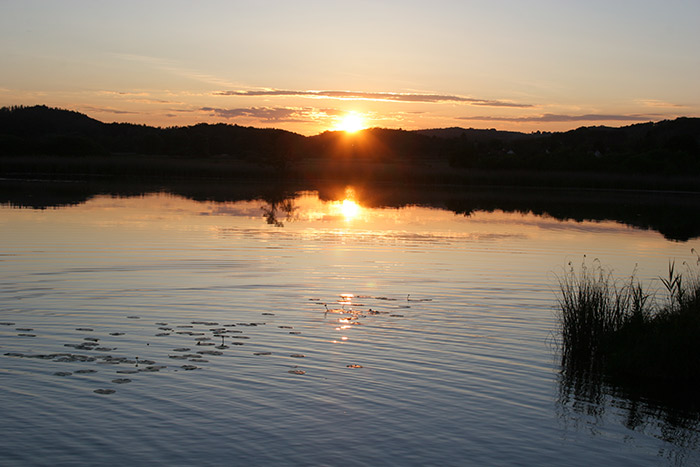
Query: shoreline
[[674, 214], [317, 171]]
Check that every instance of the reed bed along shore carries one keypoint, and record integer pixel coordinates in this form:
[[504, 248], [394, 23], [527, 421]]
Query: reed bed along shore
[[627, 330]]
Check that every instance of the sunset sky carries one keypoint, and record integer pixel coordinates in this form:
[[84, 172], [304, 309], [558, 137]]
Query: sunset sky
[[305, 65]]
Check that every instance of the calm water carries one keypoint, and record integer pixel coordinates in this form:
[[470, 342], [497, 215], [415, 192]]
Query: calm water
[[345, 336]]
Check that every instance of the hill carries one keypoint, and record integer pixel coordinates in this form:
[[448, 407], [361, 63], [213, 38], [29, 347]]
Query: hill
[[473, 134], [44, 130], [451, 155]]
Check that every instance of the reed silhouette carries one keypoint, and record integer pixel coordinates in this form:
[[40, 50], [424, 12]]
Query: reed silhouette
[[624, 332]]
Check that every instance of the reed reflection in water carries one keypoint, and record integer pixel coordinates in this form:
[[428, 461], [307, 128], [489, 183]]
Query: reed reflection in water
[[587, 401]]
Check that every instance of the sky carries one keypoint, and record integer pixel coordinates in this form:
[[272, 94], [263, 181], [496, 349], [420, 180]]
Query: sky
[[312, 66]]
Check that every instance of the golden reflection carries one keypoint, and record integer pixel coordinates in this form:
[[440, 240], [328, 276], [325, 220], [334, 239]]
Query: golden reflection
[[348, 208], [314, 217]]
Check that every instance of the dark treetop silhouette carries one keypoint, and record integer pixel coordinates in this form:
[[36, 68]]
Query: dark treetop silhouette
[[667, 147]]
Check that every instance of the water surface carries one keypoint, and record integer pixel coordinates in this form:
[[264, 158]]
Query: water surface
[[308, 332]]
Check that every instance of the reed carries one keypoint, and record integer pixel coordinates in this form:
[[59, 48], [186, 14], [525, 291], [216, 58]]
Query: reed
[[620, 329]]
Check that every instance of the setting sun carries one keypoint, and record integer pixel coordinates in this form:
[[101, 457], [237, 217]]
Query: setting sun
[[351, 123]]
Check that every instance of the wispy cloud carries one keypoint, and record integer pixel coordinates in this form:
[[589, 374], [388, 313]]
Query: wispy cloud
[[553, 118], [374, 96], [174, 67], [124, 93], [137, 97], [658, 103], [106, 110], [175, 110], [269, 114]]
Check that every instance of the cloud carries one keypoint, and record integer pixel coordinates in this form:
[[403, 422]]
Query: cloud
[[657, 103], [554, 118], [333, 112], [270, 114], [107, 110], [123, 93], [174, 67], [181, 110], [374, 96], [137, 97], [499, 104]]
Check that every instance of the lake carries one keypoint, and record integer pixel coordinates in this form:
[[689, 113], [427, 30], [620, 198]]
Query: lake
[[311, 330]]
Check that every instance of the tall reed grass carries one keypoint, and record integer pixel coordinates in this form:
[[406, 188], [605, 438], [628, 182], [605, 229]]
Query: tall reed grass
[[625, 329]]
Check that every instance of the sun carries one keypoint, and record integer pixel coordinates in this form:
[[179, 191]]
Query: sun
[[351, 123]]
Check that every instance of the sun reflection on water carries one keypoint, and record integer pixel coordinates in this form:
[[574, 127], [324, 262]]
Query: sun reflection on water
[[347, 208], [350, 209]]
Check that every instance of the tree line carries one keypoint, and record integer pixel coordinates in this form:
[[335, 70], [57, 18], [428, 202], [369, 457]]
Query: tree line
[[666, 147]]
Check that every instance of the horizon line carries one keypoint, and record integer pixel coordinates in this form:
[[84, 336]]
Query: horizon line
[[544, 118]]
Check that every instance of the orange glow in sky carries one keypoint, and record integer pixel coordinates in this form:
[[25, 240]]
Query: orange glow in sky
[[306, 66]]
